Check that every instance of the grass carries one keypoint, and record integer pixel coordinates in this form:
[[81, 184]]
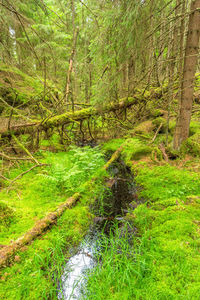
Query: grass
[[163, 262]]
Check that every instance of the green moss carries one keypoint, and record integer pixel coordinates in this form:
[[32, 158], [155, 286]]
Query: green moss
[[164, 182], [112, 145], [38, 267], [169, 242], [157, 113], [192, 145], [158, 121], [134, 149], [194, 127], [15, 82], [37, 271], [165, 255], [6, 215], [144, 128]]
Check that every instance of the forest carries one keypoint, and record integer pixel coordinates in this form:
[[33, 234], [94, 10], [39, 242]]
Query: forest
[[100, 149]]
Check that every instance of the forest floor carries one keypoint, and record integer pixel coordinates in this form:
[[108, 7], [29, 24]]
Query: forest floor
[[161, 262]]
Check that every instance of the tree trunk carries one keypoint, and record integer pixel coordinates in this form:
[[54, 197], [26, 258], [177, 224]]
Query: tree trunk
[[187, 86]]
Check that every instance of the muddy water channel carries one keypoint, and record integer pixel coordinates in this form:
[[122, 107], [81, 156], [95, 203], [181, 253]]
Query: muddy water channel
[[118, 198]]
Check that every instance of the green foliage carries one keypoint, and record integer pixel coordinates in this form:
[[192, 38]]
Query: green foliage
[[39, 192], [37, 269], [112, 278], [77, 167]]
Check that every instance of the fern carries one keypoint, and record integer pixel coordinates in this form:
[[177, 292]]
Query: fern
[[70, 170]]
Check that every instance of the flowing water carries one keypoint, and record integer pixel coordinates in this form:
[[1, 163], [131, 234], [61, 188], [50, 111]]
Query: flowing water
[[116, 204]]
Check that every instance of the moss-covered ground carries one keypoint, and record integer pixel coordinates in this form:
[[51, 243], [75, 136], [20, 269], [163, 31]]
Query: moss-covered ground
[[163, 259], [37, 267], [160, 260]]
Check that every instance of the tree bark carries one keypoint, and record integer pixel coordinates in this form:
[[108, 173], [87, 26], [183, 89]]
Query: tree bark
[[187, 86]]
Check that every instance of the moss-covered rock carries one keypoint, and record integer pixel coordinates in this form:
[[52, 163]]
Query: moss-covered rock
[[134, 149], [192, 145], [194, 127], [158, 121], [145, 127], [158, 113]]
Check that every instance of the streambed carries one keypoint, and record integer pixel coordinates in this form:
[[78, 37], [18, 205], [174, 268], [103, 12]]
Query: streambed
[[118, 199]]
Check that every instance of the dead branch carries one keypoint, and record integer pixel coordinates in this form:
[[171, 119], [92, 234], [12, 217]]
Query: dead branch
[[4, 178], [25, 149], [40, 226], [157, 131], [22, 174], [162, 149], [14, 158]]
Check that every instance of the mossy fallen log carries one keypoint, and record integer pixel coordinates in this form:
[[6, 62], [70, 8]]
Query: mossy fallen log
[[42, 225], [7, 252], [79, 115]]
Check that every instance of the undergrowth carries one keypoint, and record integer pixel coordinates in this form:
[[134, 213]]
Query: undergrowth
[[41, 190], [37, 268]]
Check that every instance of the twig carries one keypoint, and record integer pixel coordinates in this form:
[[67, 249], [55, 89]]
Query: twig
[[24, 148], [158, 129], [14, 158], [162, 149], [5, 178], [22, 174]]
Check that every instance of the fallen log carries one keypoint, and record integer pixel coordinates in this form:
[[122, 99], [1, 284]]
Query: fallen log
[[7, 252], [79, 115]]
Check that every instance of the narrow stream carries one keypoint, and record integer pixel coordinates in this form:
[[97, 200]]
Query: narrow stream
[[121, 193]]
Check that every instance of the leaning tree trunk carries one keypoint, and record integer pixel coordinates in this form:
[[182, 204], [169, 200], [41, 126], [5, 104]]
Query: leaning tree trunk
[[187, 86]]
